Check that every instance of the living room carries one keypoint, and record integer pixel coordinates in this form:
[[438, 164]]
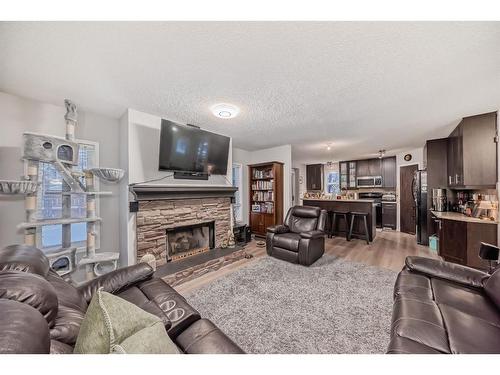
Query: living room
[[249, 187]]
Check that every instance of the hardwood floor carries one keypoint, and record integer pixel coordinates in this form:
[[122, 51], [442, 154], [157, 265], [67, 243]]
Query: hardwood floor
[[388, 250]]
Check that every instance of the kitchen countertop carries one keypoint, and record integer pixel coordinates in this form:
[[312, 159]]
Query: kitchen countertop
[[339, 200], [461, 217]]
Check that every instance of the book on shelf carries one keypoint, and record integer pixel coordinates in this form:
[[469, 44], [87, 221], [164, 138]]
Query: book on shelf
[[262, 173], [263, 208], [263, 195], [263, 185]]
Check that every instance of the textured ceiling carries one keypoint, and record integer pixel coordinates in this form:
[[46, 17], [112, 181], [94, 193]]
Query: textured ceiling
[[361, 86]]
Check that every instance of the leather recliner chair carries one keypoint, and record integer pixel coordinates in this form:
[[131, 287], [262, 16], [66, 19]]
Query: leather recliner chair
[[442, 307], [41, 313], [301, 239]]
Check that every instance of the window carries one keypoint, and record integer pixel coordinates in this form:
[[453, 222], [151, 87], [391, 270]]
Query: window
[[333, 183], [237, 182], [50, 200]]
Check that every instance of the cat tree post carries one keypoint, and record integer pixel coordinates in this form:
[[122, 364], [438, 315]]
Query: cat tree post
[[30, 202]]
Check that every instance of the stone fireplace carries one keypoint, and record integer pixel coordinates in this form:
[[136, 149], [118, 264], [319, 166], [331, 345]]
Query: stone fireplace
[[175, 222]]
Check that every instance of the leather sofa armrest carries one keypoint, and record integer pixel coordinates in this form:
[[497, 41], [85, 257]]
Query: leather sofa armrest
[[447, 270], [312, 234], [203, 337], [117, 280], [277, 229]]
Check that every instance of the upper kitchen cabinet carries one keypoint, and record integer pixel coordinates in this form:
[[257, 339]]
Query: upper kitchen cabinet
[[389, 172], [471, 152], [375, 167], [348, 174], [369, 167], [314, 177], [363, 168]]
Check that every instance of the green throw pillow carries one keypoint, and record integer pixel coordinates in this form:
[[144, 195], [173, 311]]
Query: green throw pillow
[[113, 325]]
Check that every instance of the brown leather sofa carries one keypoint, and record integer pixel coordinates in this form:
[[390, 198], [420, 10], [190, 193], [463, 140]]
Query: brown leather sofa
[[301, 239], [442, 307], [41, 313]]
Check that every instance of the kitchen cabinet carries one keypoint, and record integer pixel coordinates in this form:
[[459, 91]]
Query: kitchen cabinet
[[363, 168], [348, 174], [477, 233], [471, 152], [435, 162], [369, 167], [459, 241], [314, 177], [389, 215], [389, 172], [454, 157], [375, 167], [453, 241]]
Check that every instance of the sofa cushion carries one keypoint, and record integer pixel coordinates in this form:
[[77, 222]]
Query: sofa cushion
[[67, 294], [403, 345], [469, 334], [412, 285], [23, 330], [31, 289], [138, 298], [284, 254], [492, 287], [58, 347], [113, 325], [419, 321], [467, 300], [303, 224], [72, 308], [67, 325], [289, 241]]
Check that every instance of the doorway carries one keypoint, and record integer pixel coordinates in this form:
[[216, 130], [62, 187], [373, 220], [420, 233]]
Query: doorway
[[407, 213]]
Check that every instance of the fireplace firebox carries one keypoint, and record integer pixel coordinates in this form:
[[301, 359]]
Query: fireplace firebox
[[186, 240]]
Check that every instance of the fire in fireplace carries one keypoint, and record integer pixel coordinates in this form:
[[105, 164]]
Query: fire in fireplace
[[187, 240]]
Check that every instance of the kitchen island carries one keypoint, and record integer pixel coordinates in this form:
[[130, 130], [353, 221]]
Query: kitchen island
[[349, 205]]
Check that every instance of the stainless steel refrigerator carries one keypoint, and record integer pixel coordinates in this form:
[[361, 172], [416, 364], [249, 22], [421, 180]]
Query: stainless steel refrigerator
[[420, 197]]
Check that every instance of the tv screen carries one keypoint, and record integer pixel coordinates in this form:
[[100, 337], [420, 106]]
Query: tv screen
[[189, 149]]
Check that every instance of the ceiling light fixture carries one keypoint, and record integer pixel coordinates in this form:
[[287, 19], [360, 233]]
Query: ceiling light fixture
[[225, 111], [328, 146], [381, 154]]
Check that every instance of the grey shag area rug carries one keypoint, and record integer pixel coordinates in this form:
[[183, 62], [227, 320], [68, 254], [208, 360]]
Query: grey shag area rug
[[272, 306]]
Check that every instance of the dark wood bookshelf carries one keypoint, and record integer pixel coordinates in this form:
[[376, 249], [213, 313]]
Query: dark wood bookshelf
[[266, 191]]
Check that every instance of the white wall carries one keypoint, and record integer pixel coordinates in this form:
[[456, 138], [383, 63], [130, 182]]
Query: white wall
[[302, 179], [282, 154], [244, 158], [143, 153], [417, 158], [19, 115]]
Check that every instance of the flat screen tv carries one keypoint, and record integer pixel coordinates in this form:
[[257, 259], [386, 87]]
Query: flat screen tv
[[189, 149]]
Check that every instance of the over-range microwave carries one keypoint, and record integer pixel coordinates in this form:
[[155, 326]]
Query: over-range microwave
[[369, 181]]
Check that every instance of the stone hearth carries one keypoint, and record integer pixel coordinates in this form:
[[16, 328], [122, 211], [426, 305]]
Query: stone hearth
[[156, 216]]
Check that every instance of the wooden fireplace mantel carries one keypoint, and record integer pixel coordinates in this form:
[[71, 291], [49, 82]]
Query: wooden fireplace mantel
[[163, 192]]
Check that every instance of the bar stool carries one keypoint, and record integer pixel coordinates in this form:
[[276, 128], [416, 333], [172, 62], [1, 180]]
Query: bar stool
[[341, 214], [364, 215]]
